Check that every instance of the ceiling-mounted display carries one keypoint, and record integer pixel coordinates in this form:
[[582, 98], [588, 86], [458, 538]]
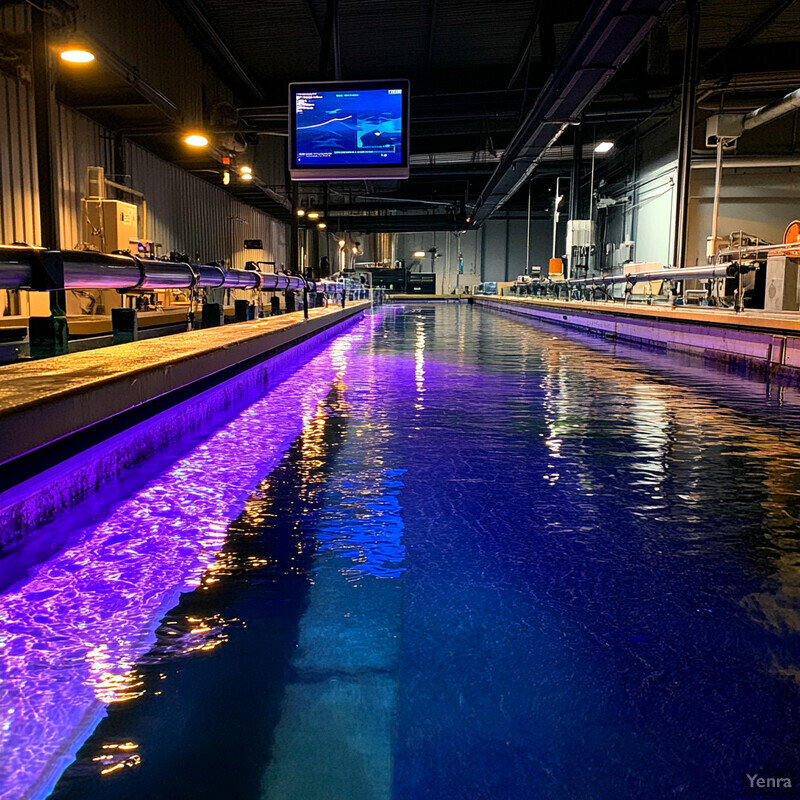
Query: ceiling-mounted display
[[349, 130]]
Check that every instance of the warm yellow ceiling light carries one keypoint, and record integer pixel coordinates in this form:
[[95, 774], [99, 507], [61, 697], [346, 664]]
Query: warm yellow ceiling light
[[247, 176], [341, 242], [196, 140], [301, 212], [419, 254], [245, 170], [313, 214], [321, 226], [76, 55]]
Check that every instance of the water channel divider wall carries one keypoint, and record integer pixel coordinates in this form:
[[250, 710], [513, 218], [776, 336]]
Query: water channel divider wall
[[768, 344]]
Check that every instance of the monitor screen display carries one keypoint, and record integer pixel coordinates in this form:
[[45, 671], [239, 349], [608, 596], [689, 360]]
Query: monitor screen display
[[348, 130]]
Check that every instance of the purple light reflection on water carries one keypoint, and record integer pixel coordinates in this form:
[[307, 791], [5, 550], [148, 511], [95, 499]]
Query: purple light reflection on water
[[72, 632]]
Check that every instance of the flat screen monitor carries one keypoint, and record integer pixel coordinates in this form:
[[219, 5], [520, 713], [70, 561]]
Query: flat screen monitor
[[347, 130]]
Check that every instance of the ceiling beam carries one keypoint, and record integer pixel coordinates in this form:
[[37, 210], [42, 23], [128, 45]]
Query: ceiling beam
[[201, 20], [431, 33], [398, 223], [527, 44], [609, 34], [749, 32]]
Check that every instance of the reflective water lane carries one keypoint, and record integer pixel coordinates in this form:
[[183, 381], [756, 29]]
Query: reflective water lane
[[468, 557]]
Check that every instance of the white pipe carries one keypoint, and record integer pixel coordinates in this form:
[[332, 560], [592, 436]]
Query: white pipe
[[749, 163], [768, 113], [717, 190]]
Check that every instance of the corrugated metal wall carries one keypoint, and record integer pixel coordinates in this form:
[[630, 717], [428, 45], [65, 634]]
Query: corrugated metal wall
[[18, 217], [189, 215], [81, 144], [186, 213]]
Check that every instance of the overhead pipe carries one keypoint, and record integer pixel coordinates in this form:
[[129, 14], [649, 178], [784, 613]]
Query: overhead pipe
[[770, 112], [23, 267], [686, 133]]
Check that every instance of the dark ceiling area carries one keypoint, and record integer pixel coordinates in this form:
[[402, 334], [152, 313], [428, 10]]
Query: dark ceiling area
[[497, 89]]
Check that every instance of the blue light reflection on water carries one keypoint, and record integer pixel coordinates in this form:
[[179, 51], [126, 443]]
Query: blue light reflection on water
[[601, 595], [576, 562], [73, 630]]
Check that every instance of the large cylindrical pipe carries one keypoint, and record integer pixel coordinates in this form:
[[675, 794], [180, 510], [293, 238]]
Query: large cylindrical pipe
[[241, 279], [166, 275], [85, 269], [15, 268], [726, 270], [209, 277], [269, 281]]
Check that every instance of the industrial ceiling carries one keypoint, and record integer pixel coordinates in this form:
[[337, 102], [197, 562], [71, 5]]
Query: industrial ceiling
[[497, 88]]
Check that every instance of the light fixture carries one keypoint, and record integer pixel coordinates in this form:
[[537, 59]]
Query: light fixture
[[77, 55], [341, 242], [195, 140], [245, 170], [604, 147], [313, 214], [248, 176], [301, 212], [322, 226], [354, 248], [226, 177], [419, 254]]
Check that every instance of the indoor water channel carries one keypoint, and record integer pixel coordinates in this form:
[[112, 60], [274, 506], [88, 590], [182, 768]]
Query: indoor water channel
[[452, 555]]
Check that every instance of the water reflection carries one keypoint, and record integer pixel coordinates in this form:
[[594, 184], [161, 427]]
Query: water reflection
[[499, 561], [73, 632], [215, 677]]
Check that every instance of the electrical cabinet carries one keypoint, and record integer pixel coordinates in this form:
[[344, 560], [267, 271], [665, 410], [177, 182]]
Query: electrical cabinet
[[782, 291], [110, 225]]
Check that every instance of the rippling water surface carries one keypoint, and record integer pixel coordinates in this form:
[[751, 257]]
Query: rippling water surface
[[494, 560]]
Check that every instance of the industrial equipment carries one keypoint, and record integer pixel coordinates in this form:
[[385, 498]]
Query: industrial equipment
[[46, 270]]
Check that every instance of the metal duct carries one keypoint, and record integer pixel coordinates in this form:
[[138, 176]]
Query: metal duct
[[163, 275], [209, 277], [85, 269], [610, 32], [760, 116], [90, 270]]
